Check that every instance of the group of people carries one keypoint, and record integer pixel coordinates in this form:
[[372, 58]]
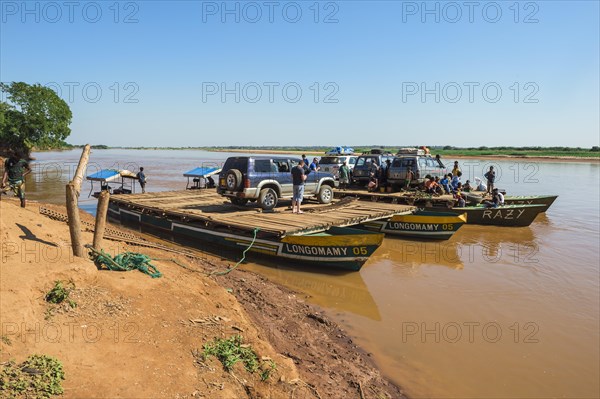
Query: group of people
[[451, 184], [378, 175]]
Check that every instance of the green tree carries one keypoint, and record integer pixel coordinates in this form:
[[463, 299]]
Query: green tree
[[33, 116]]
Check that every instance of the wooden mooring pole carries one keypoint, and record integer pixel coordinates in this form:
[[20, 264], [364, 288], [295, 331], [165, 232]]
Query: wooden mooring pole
[[72, 191], [101, 211]]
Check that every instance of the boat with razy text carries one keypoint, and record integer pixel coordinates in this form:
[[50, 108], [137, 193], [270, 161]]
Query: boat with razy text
[[505, 215]]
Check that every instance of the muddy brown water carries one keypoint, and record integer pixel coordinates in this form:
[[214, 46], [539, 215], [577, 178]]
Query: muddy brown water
[[492, 313]]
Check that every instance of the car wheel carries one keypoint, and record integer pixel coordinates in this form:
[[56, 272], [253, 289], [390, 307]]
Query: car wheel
[[325, 194], [238, 201], [233, 179], [267, 199]]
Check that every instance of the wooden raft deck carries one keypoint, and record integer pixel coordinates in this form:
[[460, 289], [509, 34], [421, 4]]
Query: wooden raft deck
[[396, 198], [211, 210]]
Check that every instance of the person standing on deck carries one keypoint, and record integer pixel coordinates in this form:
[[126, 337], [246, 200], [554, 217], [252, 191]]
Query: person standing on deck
[[142, 179], [298, 179], [344, 174], [491, 178], [15, 170], [410, 176], [456, 169]]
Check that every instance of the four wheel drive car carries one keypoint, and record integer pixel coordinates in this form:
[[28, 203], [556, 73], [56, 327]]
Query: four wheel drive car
[[332, 164], [365, 164], [421, 165], [267, 179]]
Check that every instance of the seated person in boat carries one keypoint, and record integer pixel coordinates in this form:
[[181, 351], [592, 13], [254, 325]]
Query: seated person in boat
[[430, 186], [438, 189], [497, 200], [467, 187], [480, 185], [445, 183], [460, 197], [455, 181], [373, 182]]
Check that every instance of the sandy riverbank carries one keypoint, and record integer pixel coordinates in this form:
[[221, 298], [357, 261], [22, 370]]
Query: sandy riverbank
[[134, 336]]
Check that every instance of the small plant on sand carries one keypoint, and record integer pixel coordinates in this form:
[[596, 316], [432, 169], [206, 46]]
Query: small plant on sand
[[39, 376], [232, 350], [268, 367], [60, 293], [6, 340]]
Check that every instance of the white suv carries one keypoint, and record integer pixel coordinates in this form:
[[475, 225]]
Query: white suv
[[332, 163]]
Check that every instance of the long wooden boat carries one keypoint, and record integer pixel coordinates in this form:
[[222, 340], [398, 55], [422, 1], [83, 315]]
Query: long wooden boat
[[506, 215], [428, 225], [547, 200], [319, 237]]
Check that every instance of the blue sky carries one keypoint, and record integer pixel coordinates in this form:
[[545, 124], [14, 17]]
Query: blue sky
[[195, 73]]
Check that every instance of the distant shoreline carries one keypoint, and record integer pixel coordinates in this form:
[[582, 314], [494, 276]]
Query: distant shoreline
[[538, 158]]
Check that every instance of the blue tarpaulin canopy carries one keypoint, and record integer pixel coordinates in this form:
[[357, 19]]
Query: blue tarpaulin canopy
[[105, 175], [202, 172], [201, 177]]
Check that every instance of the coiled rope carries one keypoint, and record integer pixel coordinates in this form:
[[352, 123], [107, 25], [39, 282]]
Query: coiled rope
[[125, 262]]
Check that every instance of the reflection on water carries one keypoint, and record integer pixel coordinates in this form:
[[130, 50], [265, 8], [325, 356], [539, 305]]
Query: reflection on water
[[413, 253], [345, 293], [511, 312]]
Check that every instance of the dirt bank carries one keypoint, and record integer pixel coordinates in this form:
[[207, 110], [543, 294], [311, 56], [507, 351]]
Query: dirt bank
[[134, 336]]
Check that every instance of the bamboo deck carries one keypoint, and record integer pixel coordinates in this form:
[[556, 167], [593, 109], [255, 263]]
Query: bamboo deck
[[409, 197], [211, 210]]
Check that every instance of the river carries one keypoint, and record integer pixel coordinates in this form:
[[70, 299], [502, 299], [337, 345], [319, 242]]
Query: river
[[492, 313]]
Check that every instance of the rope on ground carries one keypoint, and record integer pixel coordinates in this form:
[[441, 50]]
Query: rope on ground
[[125, 262], [216, 273]]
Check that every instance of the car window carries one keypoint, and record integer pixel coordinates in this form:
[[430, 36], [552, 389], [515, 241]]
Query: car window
[[360, 161], [282, 165], [240, 163], [352, 160], [431, 163], [408, 162], [423, 162], [330, 160], [262, 166]]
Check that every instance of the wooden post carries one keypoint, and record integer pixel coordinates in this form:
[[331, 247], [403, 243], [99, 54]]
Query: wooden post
[[83, 161], [74, 220], [72, 191], [101, 211]]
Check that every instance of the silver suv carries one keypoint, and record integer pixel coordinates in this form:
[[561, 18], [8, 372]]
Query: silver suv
[[421, 165], [267, 179], [332, 163]]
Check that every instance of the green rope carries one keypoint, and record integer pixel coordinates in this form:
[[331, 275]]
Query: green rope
[[125, 262], [215, 273]]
